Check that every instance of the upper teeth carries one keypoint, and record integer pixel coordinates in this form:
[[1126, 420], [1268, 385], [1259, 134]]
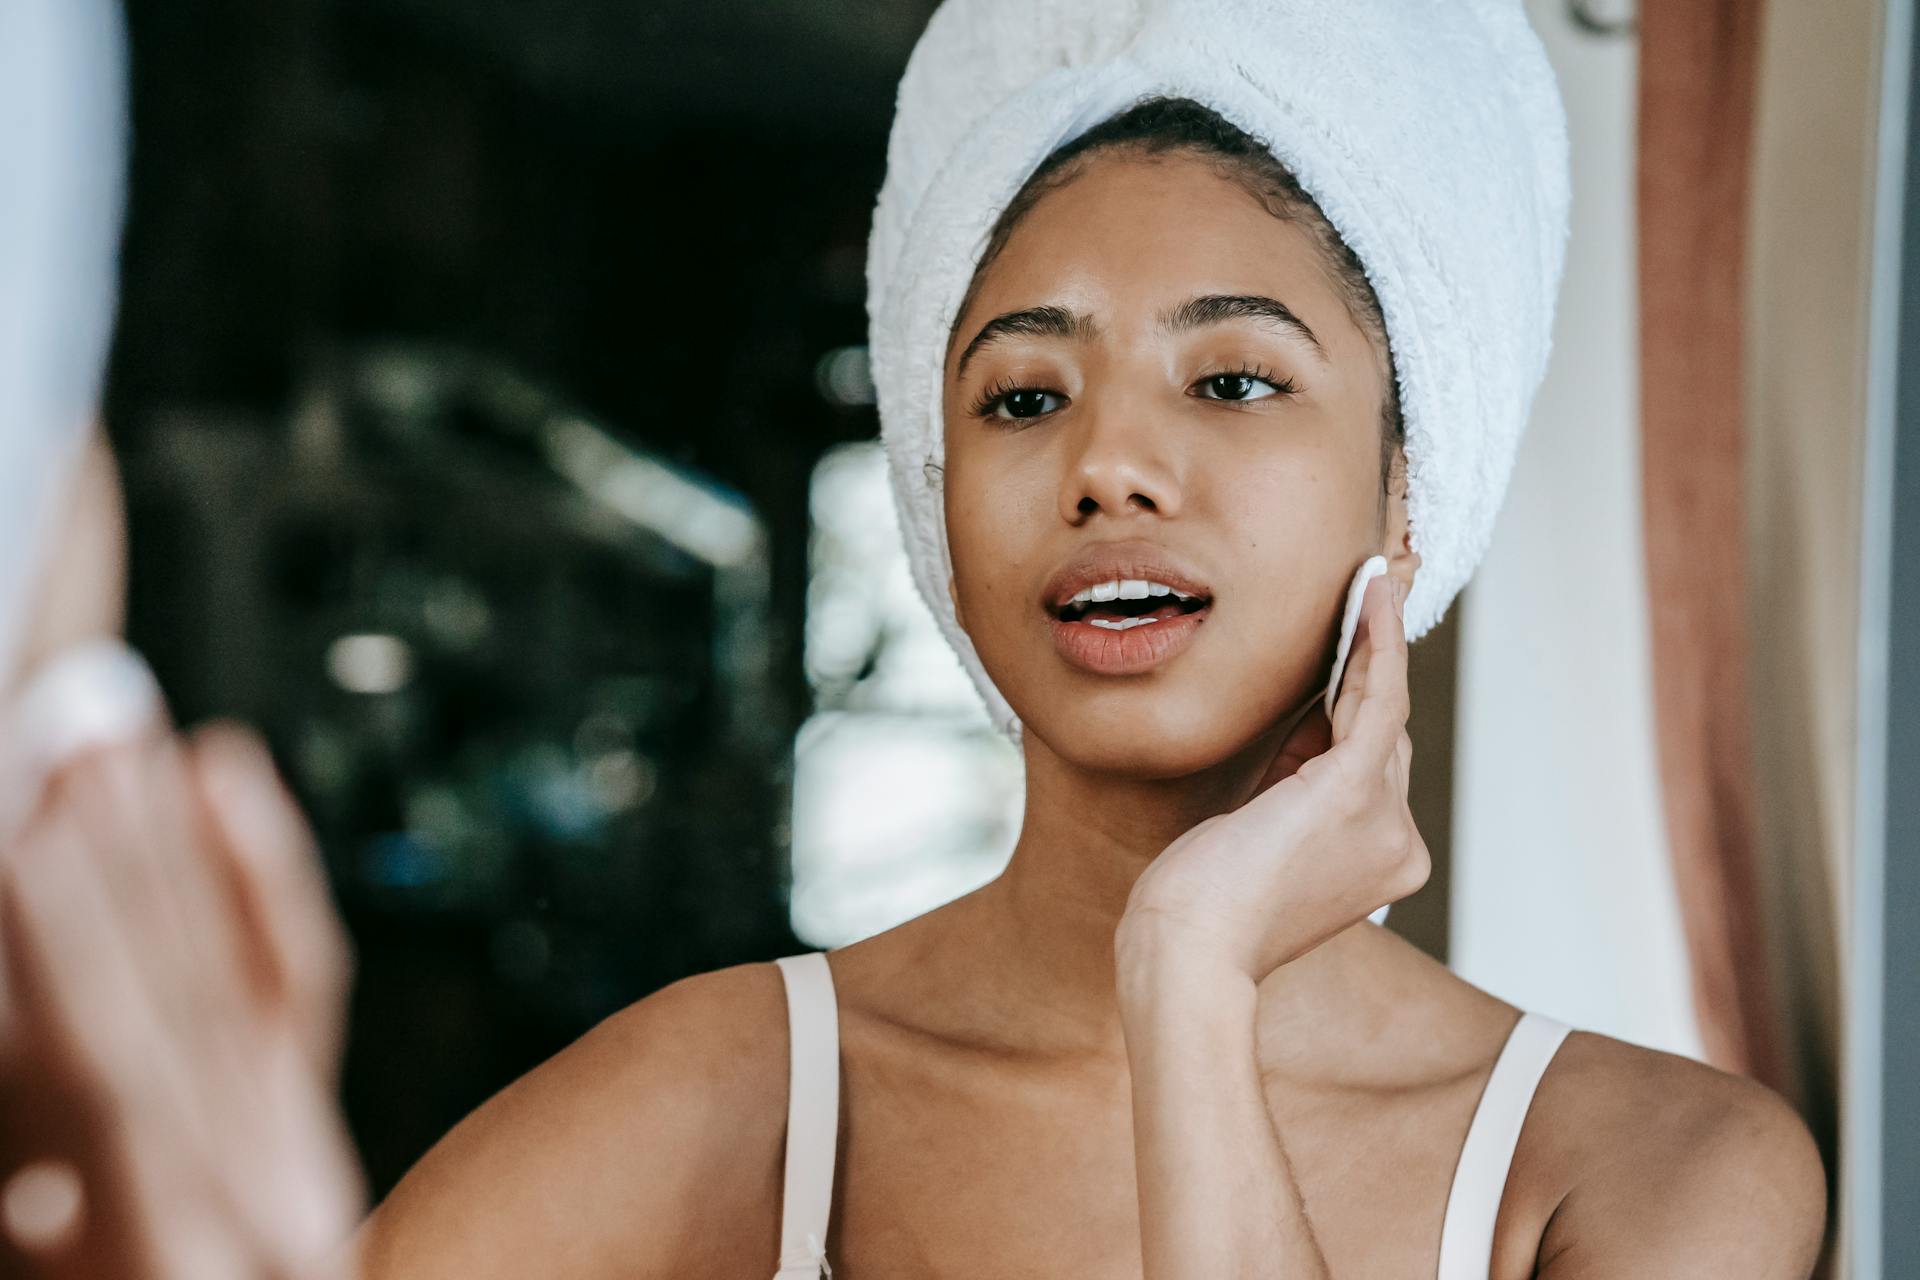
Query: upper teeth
[[1127, 589]]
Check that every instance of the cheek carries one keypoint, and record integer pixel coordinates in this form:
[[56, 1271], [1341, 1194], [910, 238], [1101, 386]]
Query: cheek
[[974, 554], [1295, 529], [1286, 511], [995, 515]]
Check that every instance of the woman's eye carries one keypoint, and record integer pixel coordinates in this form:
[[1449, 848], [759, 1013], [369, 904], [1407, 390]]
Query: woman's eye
[[1006, 403], [1020, 403], [1239, 386]]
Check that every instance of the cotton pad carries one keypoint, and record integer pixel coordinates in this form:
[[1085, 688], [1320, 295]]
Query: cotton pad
[[95, 694]]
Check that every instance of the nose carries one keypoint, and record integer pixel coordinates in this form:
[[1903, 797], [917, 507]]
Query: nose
[[1119, 463]]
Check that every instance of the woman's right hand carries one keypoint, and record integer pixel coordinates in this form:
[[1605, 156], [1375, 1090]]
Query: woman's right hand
[[1325, 840], [175, 983]]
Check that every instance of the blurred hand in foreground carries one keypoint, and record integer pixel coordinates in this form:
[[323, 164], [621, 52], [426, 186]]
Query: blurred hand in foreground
[[175, 988]]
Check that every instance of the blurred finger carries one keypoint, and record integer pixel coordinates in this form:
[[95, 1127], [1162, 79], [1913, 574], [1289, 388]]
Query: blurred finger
[[82, 998], [278, 879], [201, 1021], [134, 810], [77, 967], [247, 1056], [92, 694], [317, 1183], [213, 1144], [284, 1158]]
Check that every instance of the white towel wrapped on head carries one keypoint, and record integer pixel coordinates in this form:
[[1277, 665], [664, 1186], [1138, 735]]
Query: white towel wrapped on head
[[63, 144], [1431, 134], [62, 160]]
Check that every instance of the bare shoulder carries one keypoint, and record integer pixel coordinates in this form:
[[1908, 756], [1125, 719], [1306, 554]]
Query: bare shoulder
[[651, 1146], [1672, 1167]]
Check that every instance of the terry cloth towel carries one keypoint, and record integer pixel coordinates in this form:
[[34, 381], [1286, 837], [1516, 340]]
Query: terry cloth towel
[[62, 155], [62, 181], [1431, 133]]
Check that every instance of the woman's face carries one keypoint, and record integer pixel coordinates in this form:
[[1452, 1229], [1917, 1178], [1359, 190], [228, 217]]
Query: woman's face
[[1212, 447]]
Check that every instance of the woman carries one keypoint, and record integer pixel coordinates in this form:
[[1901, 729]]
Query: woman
[[1168, 424], [1166, 1041]]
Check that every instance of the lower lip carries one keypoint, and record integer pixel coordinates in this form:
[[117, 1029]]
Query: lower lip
[[1125, 653]]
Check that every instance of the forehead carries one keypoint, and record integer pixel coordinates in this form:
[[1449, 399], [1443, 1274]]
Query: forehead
[[1132, 234]]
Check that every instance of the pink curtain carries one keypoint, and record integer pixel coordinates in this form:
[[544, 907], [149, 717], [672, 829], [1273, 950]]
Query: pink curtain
[[1698, 61]]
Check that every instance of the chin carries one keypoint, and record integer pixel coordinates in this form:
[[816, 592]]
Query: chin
[[1142, 733]]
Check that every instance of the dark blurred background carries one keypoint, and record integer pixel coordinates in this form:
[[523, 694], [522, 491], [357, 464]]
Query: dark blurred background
[[397, 275], [476, 368]]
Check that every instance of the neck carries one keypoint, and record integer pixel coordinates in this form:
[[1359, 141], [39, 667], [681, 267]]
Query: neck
[[1041, 935]]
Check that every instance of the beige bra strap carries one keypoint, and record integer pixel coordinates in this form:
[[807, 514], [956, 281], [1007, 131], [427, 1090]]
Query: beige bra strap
[[813, 1115], [1473, 1203]]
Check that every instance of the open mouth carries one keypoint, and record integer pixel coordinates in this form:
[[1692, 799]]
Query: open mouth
[[1122, 605], [1126, 626]]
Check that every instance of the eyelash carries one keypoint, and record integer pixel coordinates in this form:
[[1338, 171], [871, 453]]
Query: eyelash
[[990, 399]]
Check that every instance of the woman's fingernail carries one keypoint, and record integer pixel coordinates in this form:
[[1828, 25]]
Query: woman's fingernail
[[1399, 598]]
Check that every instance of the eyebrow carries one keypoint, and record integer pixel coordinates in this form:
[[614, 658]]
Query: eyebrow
[[1195, 313]]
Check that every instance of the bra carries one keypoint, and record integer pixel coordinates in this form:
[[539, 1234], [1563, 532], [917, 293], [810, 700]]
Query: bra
[[813, 1119]]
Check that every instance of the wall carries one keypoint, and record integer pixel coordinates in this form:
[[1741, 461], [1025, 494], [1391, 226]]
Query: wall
[[1562, 891]]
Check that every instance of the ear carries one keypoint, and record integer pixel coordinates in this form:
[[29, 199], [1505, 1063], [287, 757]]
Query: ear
[[1397, 540]]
